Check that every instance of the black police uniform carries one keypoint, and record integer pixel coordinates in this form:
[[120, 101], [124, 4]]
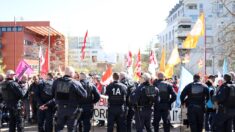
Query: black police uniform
[[67, 93], [130, 107], [87, 104], [12, 95], [116, 105], [43, 95], [143, 108], [197, 94], [162, 110], [225, 99]]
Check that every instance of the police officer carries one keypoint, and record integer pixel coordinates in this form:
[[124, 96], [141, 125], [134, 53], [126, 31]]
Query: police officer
[[12, 95], [197, 94], [67, 93], [167, 97], [130, 107], [87, 104], [143, 97], [116, 92], [226, 111], [43, 95]]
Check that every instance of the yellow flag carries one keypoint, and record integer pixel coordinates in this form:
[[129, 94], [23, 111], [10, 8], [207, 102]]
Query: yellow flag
[[169, 71], [175, 57], [163, 61], [197, 31]]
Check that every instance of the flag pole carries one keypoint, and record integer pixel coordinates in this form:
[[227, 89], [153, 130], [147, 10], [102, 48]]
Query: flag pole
[[39, 60], [205, 41], [49, 49]]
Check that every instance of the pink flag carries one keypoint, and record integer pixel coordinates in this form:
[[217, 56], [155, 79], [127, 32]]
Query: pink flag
[[23, 68]]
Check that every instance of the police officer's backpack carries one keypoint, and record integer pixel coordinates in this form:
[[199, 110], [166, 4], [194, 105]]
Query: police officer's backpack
[[150, 92], [230, 102]]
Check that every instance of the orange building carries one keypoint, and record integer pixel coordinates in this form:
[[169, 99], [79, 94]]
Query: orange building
[[21, 40]]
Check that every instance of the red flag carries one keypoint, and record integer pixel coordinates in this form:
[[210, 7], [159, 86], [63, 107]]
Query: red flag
[[152, 62], [129, 59], [138, 67], [44, 66], [152, 58], [42, 60], [84, 46], [107, 77]]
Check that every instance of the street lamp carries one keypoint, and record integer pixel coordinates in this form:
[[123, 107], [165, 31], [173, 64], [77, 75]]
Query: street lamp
[[15, 29]]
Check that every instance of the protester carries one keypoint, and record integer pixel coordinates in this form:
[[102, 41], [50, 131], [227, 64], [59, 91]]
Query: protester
[[225, 98], [26, 104], [33, 100], [210, 107]]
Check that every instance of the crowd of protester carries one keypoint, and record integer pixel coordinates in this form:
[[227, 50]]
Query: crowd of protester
[[206, 99]]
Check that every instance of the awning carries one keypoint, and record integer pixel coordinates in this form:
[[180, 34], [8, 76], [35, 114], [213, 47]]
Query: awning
[[44, 30]]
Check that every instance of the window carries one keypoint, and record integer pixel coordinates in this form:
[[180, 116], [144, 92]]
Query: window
[[4, 29], [8, 29], [94, 52], [201, 7], [19, 29], [208, 63], [13, 29], [27, 42], [192, 6]]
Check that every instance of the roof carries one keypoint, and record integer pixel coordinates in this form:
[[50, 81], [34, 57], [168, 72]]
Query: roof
[[44, 30]]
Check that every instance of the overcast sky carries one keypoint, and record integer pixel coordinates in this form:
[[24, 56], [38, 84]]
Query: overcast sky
[[121, 24]]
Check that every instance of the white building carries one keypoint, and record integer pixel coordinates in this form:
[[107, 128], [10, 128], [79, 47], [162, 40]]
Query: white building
[[180, 21], [93, 47]]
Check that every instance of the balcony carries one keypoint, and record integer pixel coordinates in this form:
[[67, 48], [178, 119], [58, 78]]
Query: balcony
[[182, 32]]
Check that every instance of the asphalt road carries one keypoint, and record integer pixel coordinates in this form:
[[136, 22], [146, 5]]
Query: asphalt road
[[33, 128]]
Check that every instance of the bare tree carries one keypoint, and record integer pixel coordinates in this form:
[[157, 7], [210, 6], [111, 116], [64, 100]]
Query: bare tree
[[225, 36]]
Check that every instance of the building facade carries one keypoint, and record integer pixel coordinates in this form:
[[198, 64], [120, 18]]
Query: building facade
[[180, 21], [21, 40], [93, 47]]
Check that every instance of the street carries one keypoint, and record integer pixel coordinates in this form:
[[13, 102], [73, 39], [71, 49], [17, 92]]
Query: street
[[33, 128]]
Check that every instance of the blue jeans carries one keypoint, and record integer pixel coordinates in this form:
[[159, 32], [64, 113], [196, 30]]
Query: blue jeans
[[209, 117]]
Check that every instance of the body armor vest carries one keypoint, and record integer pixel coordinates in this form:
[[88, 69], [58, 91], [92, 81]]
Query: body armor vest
[[7, 93], [62, 90], [163, 92], [230, 101], [117, 96], [197, 92]]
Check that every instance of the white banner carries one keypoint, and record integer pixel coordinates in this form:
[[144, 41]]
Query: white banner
[[101, 111]]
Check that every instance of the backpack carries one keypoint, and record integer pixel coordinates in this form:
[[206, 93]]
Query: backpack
[[231, 97], [150, 92]]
